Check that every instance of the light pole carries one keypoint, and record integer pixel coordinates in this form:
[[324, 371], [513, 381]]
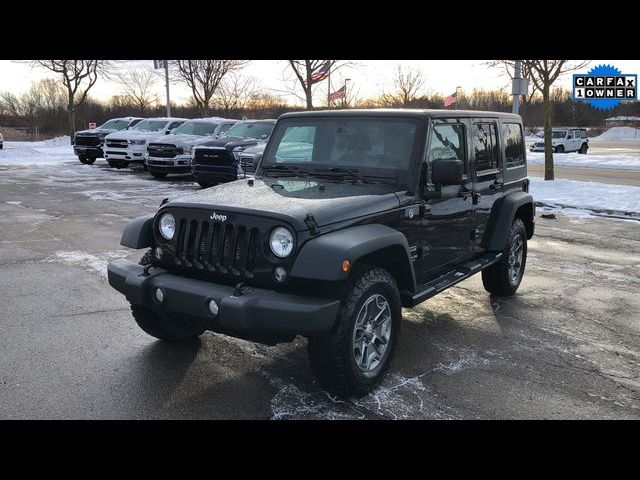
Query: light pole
[[346, 101]]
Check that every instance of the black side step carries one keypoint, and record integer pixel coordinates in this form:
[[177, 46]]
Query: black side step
[[437, 285]]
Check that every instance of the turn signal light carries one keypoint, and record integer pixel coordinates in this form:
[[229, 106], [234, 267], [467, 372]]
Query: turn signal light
[[346, 265]]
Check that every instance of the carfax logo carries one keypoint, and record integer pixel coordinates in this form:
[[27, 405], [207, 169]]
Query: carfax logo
[[605, 86]]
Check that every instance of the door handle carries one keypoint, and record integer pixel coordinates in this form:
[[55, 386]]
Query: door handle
[[463, 193], [495, 185], [475, 198]]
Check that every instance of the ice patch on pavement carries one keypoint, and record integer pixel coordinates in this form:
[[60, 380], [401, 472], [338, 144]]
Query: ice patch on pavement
[[587, 198], [93, 263]]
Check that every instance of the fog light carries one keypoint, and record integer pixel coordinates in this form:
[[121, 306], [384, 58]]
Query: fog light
[[213, 308], [159, 295], [280, 274], [158, 253]]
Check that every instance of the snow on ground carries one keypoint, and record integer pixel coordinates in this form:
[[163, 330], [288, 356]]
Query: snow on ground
[[587, 198], [624, 162], [619, 133], [45, 152]]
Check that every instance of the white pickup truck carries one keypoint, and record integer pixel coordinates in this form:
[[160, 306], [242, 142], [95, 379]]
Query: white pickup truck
[[565, 140], [130, 146], [172, 154]]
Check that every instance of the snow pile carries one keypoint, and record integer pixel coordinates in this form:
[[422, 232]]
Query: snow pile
[[45, 152], [587, 198], [625, 162], [619, 133]]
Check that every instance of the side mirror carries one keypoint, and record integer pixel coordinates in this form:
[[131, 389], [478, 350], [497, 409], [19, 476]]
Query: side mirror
[[447, 172], [167, 132]]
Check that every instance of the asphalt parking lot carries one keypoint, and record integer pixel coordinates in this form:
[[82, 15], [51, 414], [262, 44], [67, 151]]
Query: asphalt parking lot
[[566, 346]]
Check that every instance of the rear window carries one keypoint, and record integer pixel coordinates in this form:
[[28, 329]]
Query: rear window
[[513, 144]]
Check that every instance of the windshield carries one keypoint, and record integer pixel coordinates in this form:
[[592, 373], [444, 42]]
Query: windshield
[[558, 134], [115, 125], [343, 142], [259, 130], [196, 128], [150, 126]]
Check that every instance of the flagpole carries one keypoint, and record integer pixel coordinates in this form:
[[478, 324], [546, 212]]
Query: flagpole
[[329, 88], [166, 75]]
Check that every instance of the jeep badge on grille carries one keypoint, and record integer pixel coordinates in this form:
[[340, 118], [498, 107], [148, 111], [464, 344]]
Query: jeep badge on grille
[[217, 216]]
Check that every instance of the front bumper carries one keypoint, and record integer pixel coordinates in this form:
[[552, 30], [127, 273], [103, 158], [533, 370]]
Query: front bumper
[[87, 150], [134, 153], [177, 164], [255, 313]]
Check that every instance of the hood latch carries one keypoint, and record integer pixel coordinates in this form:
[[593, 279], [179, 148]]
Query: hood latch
[[311, 224]]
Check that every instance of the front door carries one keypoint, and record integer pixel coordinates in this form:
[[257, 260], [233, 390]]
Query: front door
[[448, 217], [487, 171]]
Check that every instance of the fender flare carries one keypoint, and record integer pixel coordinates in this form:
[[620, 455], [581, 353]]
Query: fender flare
[[321, 258], [502, 214], [137, 234]]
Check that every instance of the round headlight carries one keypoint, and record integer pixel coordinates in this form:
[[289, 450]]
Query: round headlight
[[281, 242], [167, 226]]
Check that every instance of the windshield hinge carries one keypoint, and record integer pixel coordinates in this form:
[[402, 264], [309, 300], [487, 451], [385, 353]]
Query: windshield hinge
[[311, 224]]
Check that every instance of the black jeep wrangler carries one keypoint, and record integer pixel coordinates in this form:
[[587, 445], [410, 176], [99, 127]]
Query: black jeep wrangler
[[365, 212]]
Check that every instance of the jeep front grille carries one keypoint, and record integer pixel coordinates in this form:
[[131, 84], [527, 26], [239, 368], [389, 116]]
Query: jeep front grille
[[88, 140], [221, 247], [210, 156]]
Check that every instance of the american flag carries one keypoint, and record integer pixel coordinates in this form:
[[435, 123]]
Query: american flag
[[321, 73], [451, 99], [159, 64], [338, 94]]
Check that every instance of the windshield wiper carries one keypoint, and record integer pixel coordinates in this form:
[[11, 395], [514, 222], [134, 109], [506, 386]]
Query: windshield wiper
[[351, 172], [291, 169]]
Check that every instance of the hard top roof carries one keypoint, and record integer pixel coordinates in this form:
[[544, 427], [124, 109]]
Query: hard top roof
[[402, 112]]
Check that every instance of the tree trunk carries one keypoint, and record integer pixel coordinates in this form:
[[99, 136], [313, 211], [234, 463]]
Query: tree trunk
[[548, 149], [71, 111], [309, 99]]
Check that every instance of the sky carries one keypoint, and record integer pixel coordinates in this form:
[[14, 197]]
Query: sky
[[368, 78]]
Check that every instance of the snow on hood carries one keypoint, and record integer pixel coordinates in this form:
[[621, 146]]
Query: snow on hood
[[182, 139], [133, 135]]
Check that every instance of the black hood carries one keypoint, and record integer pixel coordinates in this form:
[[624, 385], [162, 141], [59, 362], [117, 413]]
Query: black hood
[[232, 142], [292, 199], [99, 132]]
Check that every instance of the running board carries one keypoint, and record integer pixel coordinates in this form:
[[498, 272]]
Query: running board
[[437, 285]]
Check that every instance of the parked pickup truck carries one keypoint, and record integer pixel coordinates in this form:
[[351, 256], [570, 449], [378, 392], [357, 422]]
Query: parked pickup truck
[[87, 144], [172, 154], [123, 148], [565, 140], [218, 161], [385, 210]]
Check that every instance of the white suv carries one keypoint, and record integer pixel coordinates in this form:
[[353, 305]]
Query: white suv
[[565, 140], [122, 148]]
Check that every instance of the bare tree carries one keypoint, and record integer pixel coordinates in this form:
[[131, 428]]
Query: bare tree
[[138, 88], [203, 77], [407, 84], [78, 76], [309, 73], [543, 73], [234, 93]]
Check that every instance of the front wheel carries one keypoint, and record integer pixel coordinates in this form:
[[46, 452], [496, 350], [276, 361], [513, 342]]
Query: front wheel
[[351, 359], [205, 184], [560, 149], [158, 174], [504, 277], [83, 159], [583, 149]]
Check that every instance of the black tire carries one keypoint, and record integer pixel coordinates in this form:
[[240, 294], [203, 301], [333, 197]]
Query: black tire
[[163, 326], [583, 149], [560, 149], [90, 160], [83, 159], [498, 279], [158, 174], [332, 354], [205, 184], [118, 163]]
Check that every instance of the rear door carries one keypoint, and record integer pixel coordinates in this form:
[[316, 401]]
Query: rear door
[[486, 166]]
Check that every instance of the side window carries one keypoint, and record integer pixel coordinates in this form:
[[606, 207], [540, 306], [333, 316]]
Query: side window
[[485, 146], [224, 128], [513, 144], [175, 125], [447, 142]]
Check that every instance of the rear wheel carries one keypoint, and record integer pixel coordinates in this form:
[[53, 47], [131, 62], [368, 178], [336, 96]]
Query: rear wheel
[[504, 277], [206, 184], [158, 174], [583, 149], [560, 149], [351, 359]]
